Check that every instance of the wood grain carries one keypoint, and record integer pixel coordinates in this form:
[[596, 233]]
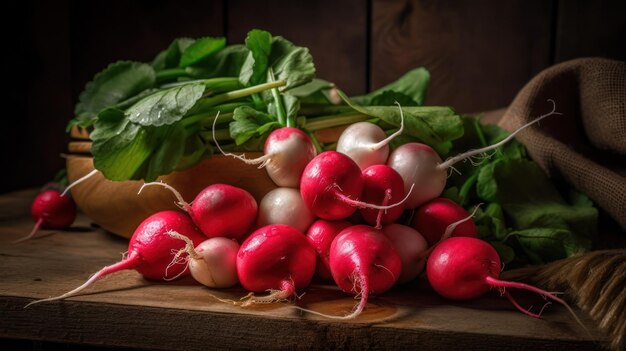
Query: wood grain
[[334, 31], [126, 311], [479, 53]]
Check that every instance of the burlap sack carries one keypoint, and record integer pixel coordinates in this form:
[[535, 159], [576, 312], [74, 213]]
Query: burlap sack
[[586, 146]]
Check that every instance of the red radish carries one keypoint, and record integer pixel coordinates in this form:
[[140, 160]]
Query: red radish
[[465, 268], [213, 262], [278, 258], [411, 247], [220, 210], [51, 210], [381, 183], [150, 250], [331, 185], [433, 218], [366, 143], [420, 165], [285, 206], [363, 262], [321, 235]]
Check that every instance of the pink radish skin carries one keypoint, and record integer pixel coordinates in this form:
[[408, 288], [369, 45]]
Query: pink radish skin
[[285, 206], [51, 210], [411, 247], [287, 151], [433, 218], [278, 258], [219, 210], [321, 235], [464, 268], [150, 250], [379, 179], [420, 166], [213, 262], [363, 261]]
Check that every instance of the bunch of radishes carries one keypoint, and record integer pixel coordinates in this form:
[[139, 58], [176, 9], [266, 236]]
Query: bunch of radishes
[[364, 254]]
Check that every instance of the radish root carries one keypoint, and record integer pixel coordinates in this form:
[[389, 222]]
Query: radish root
[[32, 232], [78, 181], [263, 160], [388, 139], [287, 290], [363, 293], [182, 204], [361, 204]]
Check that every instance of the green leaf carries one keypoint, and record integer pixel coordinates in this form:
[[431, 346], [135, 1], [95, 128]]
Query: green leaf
[[389, 98], [165, 106], [543, 245], [486, 185], [506, 253], [413, 84], [118, 82], [200, 50], [249, 123], [170, 57], [254, 70], [224, 63], [169, 152]]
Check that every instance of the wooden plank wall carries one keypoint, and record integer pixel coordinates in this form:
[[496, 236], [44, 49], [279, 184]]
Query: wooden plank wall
[[480, 53]]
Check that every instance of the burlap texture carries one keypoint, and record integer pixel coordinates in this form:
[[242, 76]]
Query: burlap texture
[[586, 146]]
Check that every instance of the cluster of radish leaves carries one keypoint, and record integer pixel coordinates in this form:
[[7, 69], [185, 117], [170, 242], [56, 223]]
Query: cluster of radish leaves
[[526, 217]]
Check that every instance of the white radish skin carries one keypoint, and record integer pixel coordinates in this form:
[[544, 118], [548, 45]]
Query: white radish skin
[[411, 246], [289, 150], [285, 206], [417, 164]]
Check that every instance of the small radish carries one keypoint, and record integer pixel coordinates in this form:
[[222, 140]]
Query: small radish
[[331, 185], [411, 247], [366, 143], [219, 210], [363, 262], [433, 217], [213, 262], [420, 166], [150, 250], [51, 210], [321, 235], [285, 206], [465, 268], [382, 184], [277, 258]]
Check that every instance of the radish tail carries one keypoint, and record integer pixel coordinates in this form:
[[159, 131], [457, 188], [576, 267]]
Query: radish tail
[[255, 161], [287, 290], [506, 284], [189, 249], [78, 181], [523, 310], [356, 311], [379, 218], [361, 204], [32, 232], [130, 262], [184, 205], [451, 161], [388, 139]]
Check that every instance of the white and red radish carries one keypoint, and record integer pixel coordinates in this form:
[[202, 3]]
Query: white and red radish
[[382, 185], [219, 210], [433, 218], [411, 247], [420, 165], [463, 268], [321, 235], [150, 250], [331, 186], [363, 261], [213, 262], [277, 258], [284, 206], [50, 209], [366, 143]]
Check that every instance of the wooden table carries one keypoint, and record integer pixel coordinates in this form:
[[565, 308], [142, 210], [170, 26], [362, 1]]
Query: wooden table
[[127, 311]]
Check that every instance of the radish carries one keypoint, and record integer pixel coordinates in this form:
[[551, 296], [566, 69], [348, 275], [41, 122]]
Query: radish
[[363, 262], [150, 250], [51, 210], [366, 143], [277, 258], [382, 184], [219, 210], [213, 262], [463, 268], [285, 206], [420, 165], [321, 235], [411, 247], [331, 185], [433, 217]]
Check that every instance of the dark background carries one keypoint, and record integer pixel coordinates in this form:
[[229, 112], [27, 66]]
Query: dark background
[[479, 53]]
